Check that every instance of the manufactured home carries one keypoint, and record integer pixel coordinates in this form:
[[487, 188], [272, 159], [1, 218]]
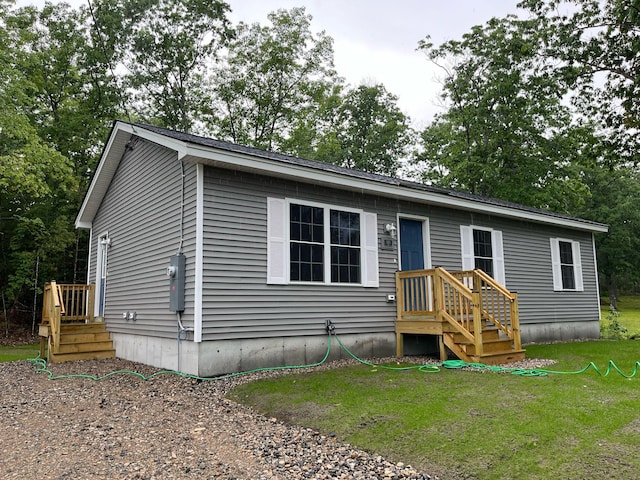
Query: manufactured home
[[210, 257]]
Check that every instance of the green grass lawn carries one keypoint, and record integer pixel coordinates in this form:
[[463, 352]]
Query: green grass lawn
[[21, 352], [461, 424]]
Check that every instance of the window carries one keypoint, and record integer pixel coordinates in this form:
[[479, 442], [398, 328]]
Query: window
[[309, 242], [306, 246], [482, 249], [566, 265], [345, 247]]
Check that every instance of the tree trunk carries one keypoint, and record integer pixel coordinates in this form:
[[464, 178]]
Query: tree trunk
[[613, 291]]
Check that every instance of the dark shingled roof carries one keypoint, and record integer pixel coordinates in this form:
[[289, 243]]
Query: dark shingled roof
[[328, 167]]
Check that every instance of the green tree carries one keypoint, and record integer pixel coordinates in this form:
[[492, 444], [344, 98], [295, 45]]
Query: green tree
[[166, 48], [595, 45], [272, 76], [506, 132], [49, 130], [372, 132], [73, 98]]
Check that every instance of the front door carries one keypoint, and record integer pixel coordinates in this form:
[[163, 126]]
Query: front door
[[412, 244]]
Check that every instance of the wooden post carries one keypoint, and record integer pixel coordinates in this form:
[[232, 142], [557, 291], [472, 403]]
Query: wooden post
[[515, 323], [438, 293], [443, 348], [43, 346], [477, 322], [91, 298]]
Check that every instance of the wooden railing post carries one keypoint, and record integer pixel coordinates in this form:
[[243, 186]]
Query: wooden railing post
[[438, 294], [54, 316], [477, 321], [515, 322], [91, 302]]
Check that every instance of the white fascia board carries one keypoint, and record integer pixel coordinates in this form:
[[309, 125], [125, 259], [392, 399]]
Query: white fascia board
[[109, 162], [305, 174]]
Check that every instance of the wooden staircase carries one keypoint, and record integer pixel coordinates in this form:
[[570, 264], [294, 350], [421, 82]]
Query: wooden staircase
[[473, 316], [88, 341], [497, 348], [68, 329]]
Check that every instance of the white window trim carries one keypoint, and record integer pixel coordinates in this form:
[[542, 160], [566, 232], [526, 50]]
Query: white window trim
[[468, 254], [278, 240], [557, 267]]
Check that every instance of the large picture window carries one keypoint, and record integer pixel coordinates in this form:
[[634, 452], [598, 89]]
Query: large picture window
[[319, 243], [566, 265]]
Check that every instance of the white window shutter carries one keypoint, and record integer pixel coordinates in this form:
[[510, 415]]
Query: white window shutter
[[277, 258], [555, 264], [370, 250], [466, 242], [577, 265], [498, 257]]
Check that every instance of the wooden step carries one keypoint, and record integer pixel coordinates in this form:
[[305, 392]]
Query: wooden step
[[82, 328], [491, 346], [69, 357], [487, 335], [85, 347], [84, 337], [83, 341], [497, 358]]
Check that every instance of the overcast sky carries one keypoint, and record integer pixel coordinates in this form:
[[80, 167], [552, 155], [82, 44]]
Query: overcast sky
[[375, 40]]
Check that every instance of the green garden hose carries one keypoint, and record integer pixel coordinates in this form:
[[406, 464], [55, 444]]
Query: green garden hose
[[434, 368]]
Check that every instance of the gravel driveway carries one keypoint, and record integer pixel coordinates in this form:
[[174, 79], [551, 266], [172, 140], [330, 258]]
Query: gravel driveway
[[168, 427]]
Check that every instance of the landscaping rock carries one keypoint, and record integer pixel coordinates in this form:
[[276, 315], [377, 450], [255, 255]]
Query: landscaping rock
[[169, 427]]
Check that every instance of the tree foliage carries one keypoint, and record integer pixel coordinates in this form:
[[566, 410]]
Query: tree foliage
[[271, 76], [506, 132], [372, 132], [166, 47], [595, 46]]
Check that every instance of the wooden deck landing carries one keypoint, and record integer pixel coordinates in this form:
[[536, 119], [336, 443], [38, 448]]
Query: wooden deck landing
[[474, 317]]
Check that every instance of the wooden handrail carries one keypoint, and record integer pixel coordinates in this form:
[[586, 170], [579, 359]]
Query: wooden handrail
[[498, 305], [65, 303], [462, 299], [52, 313]]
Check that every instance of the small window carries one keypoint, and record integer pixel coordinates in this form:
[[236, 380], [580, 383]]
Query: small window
[[345, 247], [482, 249], [566, 265]]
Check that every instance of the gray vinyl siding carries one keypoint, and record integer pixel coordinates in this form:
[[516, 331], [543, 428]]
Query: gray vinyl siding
[[528, 267], [238, 303], [141, 212]]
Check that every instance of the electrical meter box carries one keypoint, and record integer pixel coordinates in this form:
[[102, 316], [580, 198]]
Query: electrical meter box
[[175, 272]]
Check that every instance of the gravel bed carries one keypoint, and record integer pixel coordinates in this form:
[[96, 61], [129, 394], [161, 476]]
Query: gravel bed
[[123, 427]]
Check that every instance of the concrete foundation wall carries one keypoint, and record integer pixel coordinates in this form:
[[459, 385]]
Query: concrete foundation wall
[[157, 352], [560, 331], [226, 356], [213, 358]]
